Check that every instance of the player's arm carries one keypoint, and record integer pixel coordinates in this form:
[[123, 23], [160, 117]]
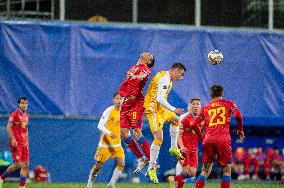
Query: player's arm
[[196, 123], [141, 76], [239, 120], [10, 132], [103, 121], [161, 93], [180, 142]]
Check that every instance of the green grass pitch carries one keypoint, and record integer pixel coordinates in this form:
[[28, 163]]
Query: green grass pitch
[[131, 185]]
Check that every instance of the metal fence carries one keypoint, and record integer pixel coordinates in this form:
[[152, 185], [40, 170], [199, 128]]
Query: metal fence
[[265, 14]]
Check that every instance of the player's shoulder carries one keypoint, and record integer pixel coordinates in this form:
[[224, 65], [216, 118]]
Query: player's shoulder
[[109, 109], [15, 113], [228, 102]]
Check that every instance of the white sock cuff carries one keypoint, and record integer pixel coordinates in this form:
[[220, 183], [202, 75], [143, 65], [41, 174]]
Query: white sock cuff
[[174, 129], [155, 147]]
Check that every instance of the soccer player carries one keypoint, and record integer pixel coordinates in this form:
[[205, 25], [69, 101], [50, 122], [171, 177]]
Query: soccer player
[[188, 142], [17, 128], [217, 141], [109, 145], [158, 111], [131, 114]]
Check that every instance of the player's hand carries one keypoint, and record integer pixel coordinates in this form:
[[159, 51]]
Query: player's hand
[[183, 150], [178, 111], [113, 136], [14, 143], [241, 135]]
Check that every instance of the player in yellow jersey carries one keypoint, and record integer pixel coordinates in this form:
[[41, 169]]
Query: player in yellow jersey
[[158, 111], [109, 145]]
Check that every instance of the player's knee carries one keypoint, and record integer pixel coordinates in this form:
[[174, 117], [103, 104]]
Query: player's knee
[[157, 142], [137, 134], [124, 133], [175, 122], [17, 165], [226, 170], [120, 167]]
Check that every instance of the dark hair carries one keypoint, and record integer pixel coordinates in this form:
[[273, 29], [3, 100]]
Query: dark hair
[[152, 62], [115, 94], [178, 66], [216, 90], [22, 98], [195, 99]]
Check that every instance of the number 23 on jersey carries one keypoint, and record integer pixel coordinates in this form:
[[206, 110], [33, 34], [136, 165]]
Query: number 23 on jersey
[[217, 116]]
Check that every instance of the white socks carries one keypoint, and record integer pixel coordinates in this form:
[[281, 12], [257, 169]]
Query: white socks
[[174, 135], [116, 174], [154, 153], [178, 168], [90, 177]]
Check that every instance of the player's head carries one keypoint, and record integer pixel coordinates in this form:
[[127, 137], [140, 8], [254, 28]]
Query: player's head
[[23, 103], [117, 100], [195, 106], [147, 58], [177, 71], [217, 91]]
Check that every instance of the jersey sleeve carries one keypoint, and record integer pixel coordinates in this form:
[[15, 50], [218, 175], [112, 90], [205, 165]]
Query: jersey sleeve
[[163, 85], [12, 118], [103, 121]]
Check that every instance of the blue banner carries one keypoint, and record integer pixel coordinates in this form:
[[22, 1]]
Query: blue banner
[[74, 69]]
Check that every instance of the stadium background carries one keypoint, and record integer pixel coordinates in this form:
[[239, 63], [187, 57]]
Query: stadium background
[[70, 70]]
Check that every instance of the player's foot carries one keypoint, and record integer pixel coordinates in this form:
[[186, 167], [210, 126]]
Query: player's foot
[[110, 185], [1, 183], [153, 175], [89, 185], [174, 151], [142, 162], [171, 181]]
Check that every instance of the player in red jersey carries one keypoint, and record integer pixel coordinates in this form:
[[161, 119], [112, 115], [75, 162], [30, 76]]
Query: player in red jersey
[[188, 142], [217, 141], [131, 114], [17, 128]]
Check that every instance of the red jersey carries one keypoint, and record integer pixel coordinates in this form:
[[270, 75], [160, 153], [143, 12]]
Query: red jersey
[[189, 138], [19, 127], [217, 117], [132, 85]]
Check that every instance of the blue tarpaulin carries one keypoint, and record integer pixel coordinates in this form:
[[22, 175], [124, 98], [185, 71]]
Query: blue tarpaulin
[[73, 69]]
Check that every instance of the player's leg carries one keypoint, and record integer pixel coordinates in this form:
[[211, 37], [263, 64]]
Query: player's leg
[[8, 172], [125, 125], [201, 179], [226, 180], [101, 156], [189, 168], [23, 174], [208, 156], [174, 131], [16, 156], [136, 122], [224, 157], [119, 156], [143, 161], [24, 166]]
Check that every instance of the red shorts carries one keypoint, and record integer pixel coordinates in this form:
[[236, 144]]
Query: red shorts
[[191, 159], [221, 150], [131, 114], [20, 154]]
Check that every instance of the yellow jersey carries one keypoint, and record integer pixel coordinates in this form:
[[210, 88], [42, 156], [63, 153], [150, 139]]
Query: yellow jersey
[[110, 123], [157, 93]]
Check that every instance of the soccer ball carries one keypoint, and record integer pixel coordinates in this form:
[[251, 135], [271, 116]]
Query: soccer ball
[[215, 57]]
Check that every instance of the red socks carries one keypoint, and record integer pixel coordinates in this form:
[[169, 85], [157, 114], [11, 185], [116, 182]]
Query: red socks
[[133, 147]]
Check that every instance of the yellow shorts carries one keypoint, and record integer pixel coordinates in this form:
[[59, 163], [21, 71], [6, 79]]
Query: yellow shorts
[[157, 118], [103, 154]]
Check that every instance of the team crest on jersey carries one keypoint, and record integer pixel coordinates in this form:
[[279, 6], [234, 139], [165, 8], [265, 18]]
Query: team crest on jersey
[[111, 119], [165, 87]]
